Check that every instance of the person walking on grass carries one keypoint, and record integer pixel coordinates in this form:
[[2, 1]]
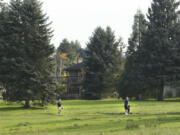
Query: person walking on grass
[[59, 104], [126, 106]]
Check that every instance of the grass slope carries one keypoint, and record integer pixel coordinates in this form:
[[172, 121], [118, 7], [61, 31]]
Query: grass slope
[[102, 117]]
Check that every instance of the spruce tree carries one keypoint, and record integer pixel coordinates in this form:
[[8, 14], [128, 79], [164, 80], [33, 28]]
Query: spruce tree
[[159, 43], [3, 13], [39, 50], [11, 50], [131, 81], [100, 63], [65, 47], [28, 63]]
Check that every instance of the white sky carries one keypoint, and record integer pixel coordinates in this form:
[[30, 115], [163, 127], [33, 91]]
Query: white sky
[[77, 19]]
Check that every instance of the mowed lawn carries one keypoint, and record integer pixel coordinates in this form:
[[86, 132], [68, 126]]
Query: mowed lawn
[[102, 117]]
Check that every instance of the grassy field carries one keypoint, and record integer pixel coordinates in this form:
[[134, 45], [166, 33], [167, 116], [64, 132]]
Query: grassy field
[[103, 117]]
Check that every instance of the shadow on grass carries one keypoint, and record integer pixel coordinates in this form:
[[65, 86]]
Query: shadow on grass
[[5, 109], [165, 100], [111, 113], [138, 114], [93, 102], [170, 113]]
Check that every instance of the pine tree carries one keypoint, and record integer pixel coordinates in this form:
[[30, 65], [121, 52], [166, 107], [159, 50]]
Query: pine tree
[[65, 47], [159, 43], [3, 13], [100, 62], [76, 46], [28, 63], [11, 50], [131, 81], [39, 50]]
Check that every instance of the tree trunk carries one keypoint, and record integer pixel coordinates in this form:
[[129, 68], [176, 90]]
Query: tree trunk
[[27, 104], [161, 90]]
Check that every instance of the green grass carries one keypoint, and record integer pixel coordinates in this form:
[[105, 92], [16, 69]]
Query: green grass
[[102, 117]]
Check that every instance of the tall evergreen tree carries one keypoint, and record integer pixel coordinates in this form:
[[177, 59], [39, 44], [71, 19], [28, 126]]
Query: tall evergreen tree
[[159, 43], [3, 13], [132, 79], [138, 29], [76, 46], [39, 49], [65, 47], [11, 50], [27, 66], [100, 63]]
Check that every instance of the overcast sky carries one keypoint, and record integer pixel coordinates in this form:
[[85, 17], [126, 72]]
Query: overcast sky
[[77, 19]]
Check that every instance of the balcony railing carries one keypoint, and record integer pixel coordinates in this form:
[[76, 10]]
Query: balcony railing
[[70, 79], [74, 79]]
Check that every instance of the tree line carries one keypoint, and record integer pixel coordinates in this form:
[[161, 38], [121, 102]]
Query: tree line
[[153, 51], [152, 56], [27, 57]]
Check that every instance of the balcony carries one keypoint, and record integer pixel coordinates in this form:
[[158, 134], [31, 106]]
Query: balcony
[[74, 79], [70, 80]]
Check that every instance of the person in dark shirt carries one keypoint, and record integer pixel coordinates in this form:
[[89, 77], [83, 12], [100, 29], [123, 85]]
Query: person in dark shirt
[[59, 106], [126, 106]]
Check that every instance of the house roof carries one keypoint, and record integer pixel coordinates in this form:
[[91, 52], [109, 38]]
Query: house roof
[[75, 67]]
